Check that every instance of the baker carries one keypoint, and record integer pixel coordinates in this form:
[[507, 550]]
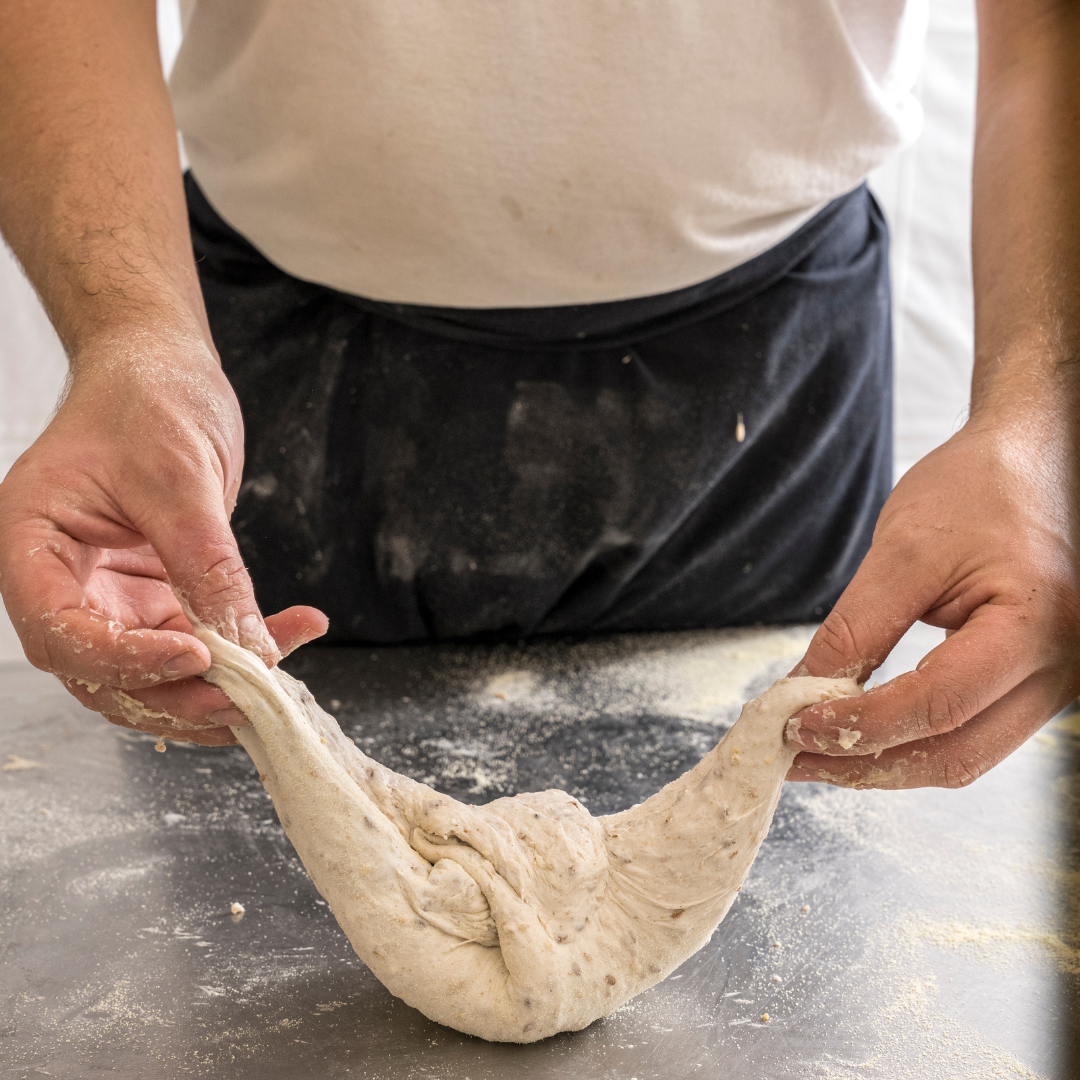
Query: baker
[[539, 318]]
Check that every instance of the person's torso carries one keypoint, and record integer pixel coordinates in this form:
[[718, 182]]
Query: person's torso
[[518, 153]]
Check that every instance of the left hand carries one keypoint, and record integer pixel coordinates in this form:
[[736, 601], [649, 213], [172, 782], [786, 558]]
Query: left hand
[[976, 538]]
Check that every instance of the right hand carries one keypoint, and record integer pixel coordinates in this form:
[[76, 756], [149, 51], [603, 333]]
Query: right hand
[[126, 496]]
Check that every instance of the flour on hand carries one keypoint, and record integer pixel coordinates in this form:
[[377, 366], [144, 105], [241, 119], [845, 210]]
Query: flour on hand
[[527, 916]]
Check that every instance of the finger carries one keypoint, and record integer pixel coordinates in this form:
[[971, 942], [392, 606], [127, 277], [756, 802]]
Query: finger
[[888, 594], [290, 628], [222, 736], [191, 703], [80, 643], [296, 626], [183, 706], [957, 680], [200, 555], [952, 760]]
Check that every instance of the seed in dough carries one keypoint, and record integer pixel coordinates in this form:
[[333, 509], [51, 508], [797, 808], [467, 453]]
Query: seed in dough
[[527, 916]]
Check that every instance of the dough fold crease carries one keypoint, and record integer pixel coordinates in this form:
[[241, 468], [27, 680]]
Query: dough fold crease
[[527, 916]]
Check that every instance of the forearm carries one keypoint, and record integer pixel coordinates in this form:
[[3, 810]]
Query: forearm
[[91, 194], [1026, 212]]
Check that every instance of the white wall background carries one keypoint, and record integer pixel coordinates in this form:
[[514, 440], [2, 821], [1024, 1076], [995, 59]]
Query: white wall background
[[925, 193]]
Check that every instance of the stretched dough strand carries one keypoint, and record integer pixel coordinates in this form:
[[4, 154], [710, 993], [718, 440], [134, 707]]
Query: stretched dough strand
[[527, 916]]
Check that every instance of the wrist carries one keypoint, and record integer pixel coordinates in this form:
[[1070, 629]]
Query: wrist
[[153, 376], [1035, 385], [121, 347], [160, 384]]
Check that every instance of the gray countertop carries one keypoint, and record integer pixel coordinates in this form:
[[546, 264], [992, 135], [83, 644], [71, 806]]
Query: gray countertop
[[927, 934]]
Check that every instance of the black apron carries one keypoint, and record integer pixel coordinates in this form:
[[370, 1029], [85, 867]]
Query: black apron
[[714, 456]]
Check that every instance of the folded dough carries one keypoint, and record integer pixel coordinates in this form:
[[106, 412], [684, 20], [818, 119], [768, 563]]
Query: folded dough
[[527, 916]]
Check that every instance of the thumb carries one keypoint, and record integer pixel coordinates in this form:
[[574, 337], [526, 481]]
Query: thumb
[[200, 555]]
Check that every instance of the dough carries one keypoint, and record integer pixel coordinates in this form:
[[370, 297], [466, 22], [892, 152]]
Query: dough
[[527, 916]]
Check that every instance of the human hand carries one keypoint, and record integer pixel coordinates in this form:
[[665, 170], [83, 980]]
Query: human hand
[[125, 497], [977, 538]]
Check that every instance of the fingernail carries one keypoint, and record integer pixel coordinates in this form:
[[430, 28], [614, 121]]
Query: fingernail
[[182, 665], [228, 718]]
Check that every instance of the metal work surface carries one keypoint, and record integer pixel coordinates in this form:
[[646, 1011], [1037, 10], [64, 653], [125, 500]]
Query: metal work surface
[[927, 934]]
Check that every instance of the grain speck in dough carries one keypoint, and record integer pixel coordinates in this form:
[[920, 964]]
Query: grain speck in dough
[[527, 916]]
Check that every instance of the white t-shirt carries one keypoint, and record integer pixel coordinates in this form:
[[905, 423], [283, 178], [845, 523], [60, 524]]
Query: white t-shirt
[[519, 153]]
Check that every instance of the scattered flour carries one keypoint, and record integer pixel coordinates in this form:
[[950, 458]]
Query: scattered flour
[[14, 763]]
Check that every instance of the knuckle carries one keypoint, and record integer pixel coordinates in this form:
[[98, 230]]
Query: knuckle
[[226, 574], [836, 641], [947, 708], [36, 646], [836, 632], [224, 581], [54, 645], [962, 772]]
